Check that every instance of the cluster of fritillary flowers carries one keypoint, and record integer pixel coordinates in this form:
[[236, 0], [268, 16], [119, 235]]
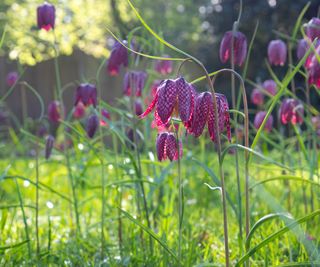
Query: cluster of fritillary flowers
[[178, 99]]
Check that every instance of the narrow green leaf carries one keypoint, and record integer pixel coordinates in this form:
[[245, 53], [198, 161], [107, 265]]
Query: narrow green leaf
[[150, 232]]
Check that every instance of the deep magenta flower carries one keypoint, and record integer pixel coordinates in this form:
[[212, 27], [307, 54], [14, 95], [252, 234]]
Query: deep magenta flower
[[41, 130], [204, 114], [313, 29], [92, 125], [138, 107], [291, 110], [277, 52], [302, 48], [54, 111], [79, 111], [167, 147], [134, 80], [270, 86], [87, 94], [239, 47], [163, 67], [49, 146], [12, 78], [257, 97], [105, 116], [118, 57], [314, 70], [258, 119], [46, 14], [173, 97]]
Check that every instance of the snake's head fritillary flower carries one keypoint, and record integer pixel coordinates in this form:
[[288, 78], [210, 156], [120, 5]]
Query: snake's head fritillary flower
[[49, 146], [239, 47], [41, 130], [87, 94], [168, 147], [291, 110], [204, 114], [54, 111], [105, 117], [12, 78], [314, 70], [270, 86], [313, 29], [258, 119], [302, 48], [46, 14], [134, 82], [277, 53], [118, 57], [173, 98], [138, 107], [92, 125], [163, 67], [257, 97], [79, 111]]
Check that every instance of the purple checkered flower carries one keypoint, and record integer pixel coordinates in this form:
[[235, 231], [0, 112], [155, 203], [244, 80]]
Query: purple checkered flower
[[239, 47], [46, 14], [167, 147], [258, 119], [291, 110], [86, 94], [173, 98], [134, 82], [277, 53], [118, 57]]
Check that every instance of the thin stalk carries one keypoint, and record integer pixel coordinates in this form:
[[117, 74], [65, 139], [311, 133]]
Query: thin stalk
[[26, 227], [24, 105], [37, 201], [66, 153], [234, 106], [180, 200], [103, 182], [136, 148]]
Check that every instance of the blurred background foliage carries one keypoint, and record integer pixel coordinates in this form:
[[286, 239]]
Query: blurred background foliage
[[195, 26]]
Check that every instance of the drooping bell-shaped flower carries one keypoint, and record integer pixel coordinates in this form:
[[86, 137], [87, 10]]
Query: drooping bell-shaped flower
[[49, 146], [41, 130], [118, 57], [54, 111], [291, 110], [46, 14], [314, 69], [173, 97], [167, 147], [270, 86], [87, 94], [277, 53], [313, 29], [12, 78], [79, 111], [302, 48], [92, 125], [257, 97], [134, 82], [239, 47], [258, 119], [163, 67], [105, 116], [204, 114]]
